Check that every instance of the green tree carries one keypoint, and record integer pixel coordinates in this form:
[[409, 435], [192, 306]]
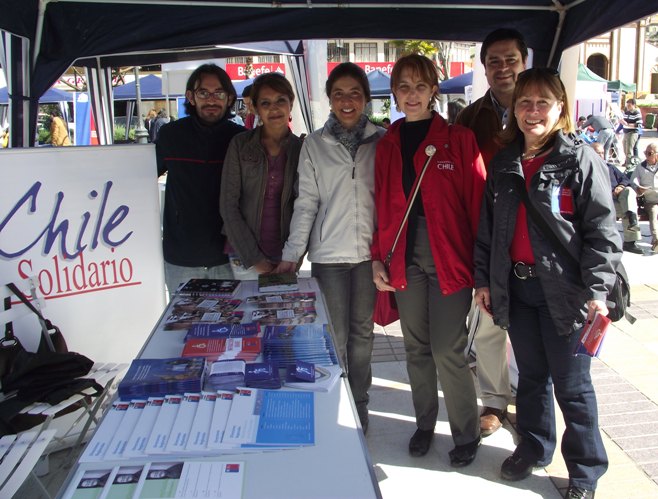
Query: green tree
[[439, 52]]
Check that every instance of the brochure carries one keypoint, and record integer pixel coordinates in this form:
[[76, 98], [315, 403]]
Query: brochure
[[273, 283], [209, 287], [592, 335], [159, 377], [188, 310]]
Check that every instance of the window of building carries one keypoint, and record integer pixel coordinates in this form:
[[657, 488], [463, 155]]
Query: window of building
[[365, 52], [338, 51], [598, 63], [390, 52]]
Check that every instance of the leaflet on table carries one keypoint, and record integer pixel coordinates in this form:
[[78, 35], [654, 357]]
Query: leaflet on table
[[309, 342], [221, 330], [200, 429], [170, 479], [220, 413], [142, 431], [284, 316], [159, 377], [122, 435], [188, 310], [180, 430], [282, 300], [100, 442], [157, 442], [269, 283], [592, 335], [225, 375], [209, 287], [326, 378], [265, 418], [247, 349]]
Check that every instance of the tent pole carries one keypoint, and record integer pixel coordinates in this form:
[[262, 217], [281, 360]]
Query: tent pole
[[141, 135]]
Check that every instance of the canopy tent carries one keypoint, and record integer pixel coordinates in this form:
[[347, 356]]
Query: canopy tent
[[150, 88], [42, 38], [618, 85], [586, 74], [457, 84], [51, 96], [380, 84]]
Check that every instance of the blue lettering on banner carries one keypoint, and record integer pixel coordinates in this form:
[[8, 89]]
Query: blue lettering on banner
[[103, 226]]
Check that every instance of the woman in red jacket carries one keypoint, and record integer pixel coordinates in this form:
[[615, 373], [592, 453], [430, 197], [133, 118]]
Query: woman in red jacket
[[431, 271]]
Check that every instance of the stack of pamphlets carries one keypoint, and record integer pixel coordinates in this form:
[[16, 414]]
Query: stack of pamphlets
[[186, 311], [285, 345], [274, 283], [203, 423], [225, 375], [247, 349], [262, 375], [284, 316], [158, 377], [282, 300], [220, 288], [592, 335], [221, 330]]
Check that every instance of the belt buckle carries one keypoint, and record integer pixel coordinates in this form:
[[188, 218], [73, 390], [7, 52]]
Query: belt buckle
[[522, 277]]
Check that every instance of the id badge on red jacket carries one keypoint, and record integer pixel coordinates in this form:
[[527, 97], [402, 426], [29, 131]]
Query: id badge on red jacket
[[561, 200]]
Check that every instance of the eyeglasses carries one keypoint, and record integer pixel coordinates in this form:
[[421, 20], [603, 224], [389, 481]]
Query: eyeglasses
[[649, 153], [205, 95], [540, 71]]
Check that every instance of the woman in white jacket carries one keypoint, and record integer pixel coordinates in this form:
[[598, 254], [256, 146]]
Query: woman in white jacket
[[334, 218]]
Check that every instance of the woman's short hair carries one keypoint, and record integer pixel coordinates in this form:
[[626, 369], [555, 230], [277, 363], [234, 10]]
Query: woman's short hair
[[420, 66], [195, 79], [275, 81], [353, 71], [546, 81]]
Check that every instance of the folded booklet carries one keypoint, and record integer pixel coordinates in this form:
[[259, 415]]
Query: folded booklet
[[591, 337]]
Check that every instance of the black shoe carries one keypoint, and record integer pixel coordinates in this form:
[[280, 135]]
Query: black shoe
[[574, 492], [362, 411], [632, 221], [420, 442], [632, 247], [516, 468], [463, 455]]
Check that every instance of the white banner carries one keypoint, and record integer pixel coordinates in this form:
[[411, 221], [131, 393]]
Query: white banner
[[86, 222]]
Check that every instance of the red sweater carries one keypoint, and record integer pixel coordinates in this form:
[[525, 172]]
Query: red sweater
[[452, 193]]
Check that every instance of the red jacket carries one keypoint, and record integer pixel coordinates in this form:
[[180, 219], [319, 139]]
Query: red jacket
[[452, 192]]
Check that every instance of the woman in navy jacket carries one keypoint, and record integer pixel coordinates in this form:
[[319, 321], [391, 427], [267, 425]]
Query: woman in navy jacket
[[541, 296]]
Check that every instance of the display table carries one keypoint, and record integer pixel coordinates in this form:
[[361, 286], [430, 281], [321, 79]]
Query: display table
[[337, 465]]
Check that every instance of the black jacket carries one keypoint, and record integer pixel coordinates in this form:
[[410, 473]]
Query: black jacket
[[589, 233], [192, 154]]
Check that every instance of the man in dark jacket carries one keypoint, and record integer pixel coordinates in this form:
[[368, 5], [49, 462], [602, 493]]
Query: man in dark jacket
[[503, 54], [625, 199], [191, 151]]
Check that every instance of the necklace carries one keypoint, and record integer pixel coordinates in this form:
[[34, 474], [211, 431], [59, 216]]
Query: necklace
[[526, 156]]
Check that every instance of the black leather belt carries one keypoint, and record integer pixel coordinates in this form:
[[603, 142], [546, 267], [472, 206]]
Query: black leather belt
[[524, 271]]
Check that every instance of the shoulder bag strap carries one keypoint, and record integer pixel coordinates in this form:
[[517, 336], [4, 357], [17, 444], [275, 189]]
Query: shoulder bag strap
[[430, 150], [45, 324]]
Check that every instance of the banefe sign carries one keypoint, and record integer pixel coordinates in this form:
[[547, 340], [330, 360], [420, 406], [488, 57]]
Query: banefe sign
[[368, 67], [237, 71]]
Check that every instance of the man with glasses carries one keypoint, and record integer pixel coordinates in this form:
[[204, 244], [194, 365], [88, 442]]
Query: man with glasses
[[646, 185], [191, 152], [504, 54]]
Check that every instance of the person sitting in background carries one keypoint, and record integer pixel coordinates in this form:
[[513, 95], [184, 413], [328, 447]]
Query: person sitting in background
[[644, 181], [625, 199], [605, 133], [580, 125]]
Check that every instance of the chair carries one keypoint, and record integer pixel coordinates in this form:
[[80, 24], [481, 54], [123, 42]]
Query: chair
[[84, 409], [18, 456]]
